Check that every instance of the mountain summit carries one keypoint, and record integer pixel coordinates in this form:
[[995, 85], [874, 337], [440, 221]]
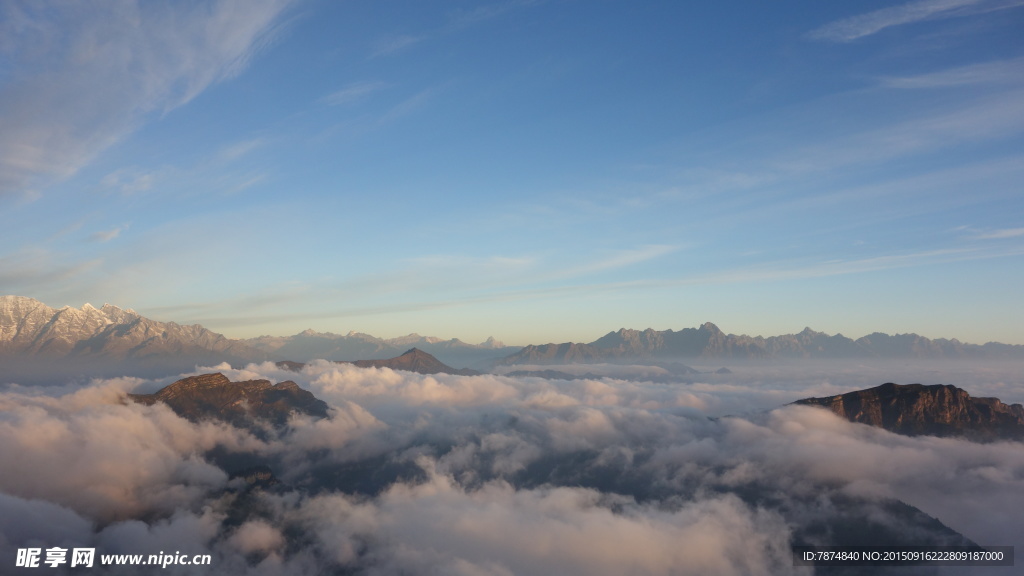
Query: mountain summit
[[243, 404], [415, 360]]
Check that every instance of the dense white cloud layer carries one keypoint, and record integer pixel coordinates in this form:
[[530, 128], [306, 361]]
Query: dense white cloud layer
[[490, 475]]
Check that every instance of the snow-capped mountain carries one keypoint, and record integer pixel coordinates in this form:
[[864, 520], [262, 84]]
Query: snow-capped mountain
[[74, 337]]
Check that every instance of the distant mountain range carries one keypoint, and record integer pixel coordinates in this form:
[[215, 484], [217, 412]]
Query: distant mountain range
[[109, 340], [413, 360], [708, 341], [919, 410], [37, 340], [310, 345]]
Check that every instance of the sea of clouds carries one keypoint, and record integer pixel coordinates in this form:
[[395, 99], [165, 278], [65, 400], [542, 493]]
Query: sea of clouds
[[493, 475]]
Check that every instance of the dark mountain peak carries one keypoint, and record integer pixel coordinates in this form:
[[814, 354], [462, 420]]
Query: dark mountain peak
[[418, 356], [491, 342], [193, 384], [935, 410], [709, 327], [414, 360], [290, 365], [244, 404]]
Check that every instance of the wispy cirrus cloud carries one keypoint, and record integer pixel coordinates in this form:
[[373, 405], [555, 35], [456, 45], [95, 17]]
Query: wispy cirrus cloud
[[849, 29], [352, 93], [998, 72], [777, 271], [107, 235], [400, 293], [237, 150], [1000, 234], [80, 78], [30, 271], [395, 43], [410, 104], [486, 12], [129, 181], [984, 119], [622, 259]]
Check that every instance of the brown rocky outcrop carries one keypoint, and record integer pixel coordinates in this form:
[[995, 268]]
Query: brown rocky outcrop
[[938, 410], [243, 404]]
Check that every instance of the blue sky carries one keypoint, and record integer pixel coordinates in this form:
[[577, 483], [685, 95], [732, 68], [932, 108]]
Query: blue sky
[[537, 171]]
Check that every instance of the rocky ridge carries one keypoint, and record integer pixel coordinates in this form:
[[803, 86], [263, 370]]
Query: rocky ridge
[[245, 404], [937, 410]]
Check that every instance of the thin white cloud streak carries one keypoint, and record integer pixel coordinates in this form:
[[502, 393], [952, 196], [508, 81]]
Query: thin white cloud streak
[[1000, 72], [25, 271], [107, 235], [471, 264], [392, 44], [214, 172], [92, 76], [480, 14], [1001, 234], [409, 105], [923, 186], [246, 184], [862, 25], [500, 270], [791, 174], [353, 93], [395, 43], [239, 149], [131, 181], [984, 119], [778, 271], [622, 259]]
